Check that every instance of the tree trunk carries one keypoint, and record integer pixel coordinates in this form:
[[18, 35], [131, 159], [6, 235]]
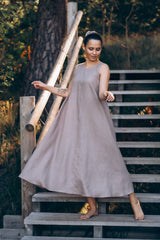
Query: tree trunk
[[13, 1], [48, 37]]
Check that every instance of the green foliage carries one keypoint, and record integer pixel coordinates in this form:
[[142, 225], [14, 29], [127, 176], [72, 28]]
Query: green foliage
[[17, 24], [141, 16], [10, 189]]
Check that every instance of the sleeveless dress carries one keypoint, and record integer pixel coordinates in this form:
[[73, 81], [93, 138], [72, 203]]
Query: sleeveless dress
[[79, 154]]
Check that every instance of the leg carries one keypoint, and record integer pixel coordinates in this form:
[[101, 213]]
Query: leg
[[93, 211], [135, 204]]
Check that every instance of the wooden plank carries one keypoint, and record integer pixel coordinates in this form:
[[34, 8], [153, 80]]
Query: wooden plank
[[132, 104], [28, 143], [138, 72], [63, 197], [73, 219], [76, 238], [148, 81], [12, 221], [146, 92], [137, 130], [135, 116], [143, 160], [71, 15], [146, 178], [137, 144], [13, 234]]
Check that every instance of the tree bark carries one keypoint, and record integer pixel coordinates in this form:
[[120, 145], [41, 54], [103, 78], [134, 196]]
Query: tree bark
[[49, 35], [13, 1]]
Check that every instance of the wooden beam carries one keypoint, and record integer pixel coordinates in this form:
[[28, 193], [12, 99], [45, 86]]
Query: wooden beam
[[28, 143], [132, 104], [71, 15], [55, 106], [73, 219], [97, 231]]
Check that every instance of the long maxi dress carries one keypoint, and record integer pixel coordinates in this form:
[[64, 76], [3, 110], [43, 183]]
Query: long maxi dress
[[79, 154]]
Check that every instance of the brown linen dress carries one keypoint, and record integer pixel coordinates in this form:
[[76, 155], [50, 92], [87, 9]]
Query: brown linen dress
[[79, 154]]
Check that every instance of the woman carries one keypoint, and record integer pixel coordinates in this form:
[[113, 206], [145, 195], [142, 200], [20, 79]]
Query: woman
[[79, 154]]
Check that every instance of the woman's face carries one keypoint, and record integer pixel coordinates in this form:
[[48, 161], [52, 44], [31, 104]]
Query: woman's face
[[93, 50]]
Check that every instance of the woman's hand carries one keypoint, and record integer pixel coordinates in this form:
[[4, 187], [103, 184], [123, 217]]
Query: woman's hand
[[109, 96], [39, 85]]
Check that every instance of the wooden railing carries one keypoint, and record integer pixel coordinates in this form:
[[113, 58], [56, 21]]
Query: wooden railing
[[55, 73], [30, 114]]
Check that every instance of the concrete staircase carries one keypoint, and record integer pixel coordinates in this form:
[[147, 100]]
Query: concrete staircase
[[136, 114]]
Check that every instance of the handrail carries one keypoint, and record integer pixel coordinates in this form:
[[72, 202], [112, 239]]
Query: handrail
[[54, 75], [66, 78]]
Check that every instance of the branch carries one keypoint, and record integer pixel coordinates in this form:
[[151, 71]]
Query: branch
[[126, 20], [2, 56], [116, 4]]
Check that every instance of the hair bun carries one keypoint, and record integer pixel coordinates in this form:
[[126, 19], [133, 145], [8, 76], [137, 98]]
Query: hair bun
[[90, 32]]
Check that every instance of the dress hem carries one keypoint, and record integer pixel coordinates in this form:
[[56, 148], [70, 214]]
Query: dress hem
[[80, 195]]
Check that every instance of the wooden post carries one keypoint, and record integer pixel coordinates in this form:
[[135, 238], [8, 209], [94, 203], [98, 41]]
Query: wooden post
[[102, 207], [71, 15], [97, 232], [28, 143], [119, 98]]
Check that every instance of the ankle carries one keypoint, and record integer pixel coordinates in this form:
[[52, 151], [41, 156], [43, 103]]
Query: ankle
[[134, 201], [93, 208]]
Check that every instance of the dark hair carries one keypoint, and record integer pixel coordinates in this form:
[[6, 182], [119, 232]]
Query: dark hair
[[92, 35]]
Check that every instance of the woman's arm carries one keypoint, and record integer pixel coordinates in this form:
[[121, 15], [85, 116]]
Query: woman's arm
[[104, 74], [62, 92]]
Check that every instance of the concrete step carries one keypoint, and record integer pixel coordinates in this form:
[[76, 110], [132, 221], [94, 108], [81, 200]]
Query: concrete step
[[135, 116], [73, 219], [148, 81], [137, 130], [132, 104], [130, 144], [143, 160], [63, 197], [76, 238], [126, 92], [14, 234]]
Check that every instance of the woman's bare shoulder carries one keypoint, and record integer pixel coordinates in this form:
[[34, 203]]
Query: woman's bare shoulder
[[104, 68]]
